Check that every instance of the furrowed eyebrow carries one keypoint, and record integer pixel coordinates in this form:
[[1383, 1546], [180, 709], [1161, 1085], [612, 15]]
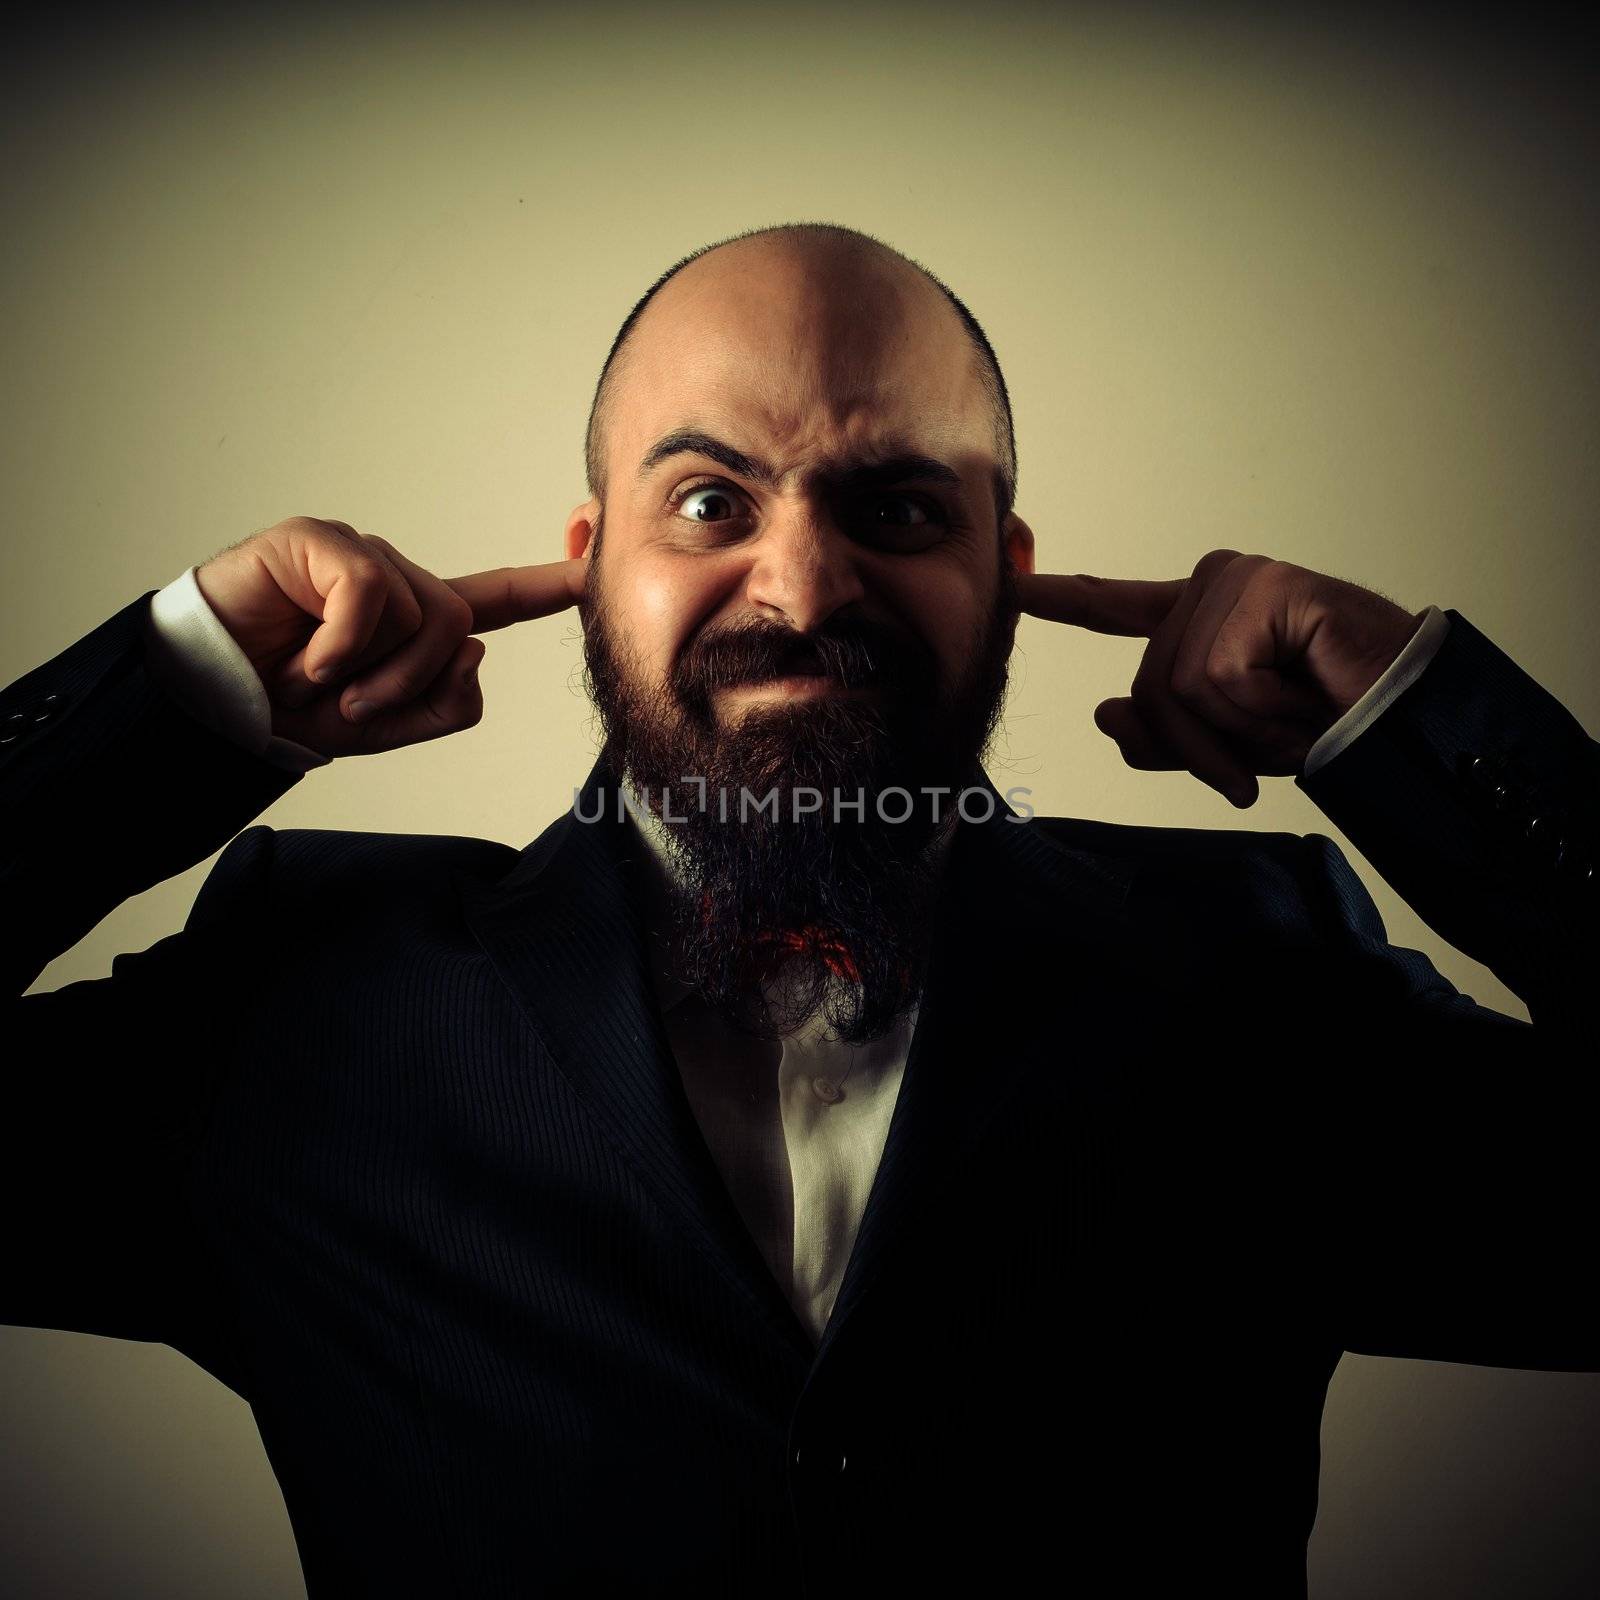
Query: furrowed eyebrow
[[895, 469], [852, 478], [687, 442]]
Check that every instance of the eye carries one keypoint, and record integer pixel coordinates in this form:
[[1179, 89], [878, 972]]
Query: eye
[[895, 521], [903, 522], [903, 503], [702, 498]]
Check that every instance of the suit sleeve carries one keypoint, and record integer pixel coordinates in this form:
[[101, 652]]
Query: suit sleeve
[[1401, 673], [1476, 795], [1456, 1199], [107, 786]]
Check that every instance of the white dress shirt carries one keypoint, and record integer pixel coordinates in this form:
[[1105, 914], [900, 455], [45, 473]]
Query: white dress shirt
[[796, 1126]]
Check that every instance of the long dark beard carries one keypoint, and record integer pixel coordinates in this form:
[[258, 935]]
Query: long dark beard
[[840, 898]]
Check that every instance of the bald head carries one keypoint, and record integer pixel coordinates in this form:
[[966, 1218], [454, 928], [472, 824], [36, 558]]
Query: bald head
[[834, 316]]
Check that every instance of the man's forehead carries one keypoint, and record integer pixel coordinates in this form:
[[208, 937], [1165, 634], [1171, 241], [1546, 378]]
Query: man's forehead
[[805, 362], [797, 416]]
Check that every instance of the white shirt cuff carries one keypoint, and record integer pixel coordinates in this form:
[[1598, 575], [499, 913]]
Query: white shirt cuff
[[1401, 673], [212, 677]]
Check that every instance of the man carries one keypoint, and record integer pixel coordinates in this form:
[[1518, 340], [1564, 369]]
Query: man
[[804, 1195]]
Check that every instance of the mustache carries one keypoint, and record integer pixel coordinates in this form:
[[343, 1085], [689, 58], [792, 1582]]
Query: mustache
[[856, 653]]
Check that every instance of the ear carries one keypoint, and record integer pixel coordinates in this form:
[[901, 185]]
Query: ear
[[580, 528], [1018, 545]]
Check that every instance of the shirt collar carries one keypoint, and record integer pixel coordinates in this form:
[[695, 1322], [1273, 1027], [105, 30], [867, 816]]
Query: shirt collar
[[663, 876]]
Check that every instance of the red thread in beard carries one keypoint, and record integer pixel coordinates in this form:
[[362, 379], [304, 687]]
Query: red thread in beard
[[809, 939]]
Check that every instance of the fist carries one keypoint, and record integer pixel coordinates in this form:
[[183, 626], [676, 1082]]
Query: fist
[[359, 649], [1249, 662]]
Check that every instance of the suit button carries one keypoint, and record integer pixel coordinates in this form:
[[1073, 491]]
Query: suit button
[[1488, 775], [21, 722], [1541, 830]]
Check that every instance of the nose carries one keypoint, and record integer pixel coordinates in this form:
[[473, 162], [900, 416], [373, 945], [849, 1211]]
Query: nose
[[803, 570]]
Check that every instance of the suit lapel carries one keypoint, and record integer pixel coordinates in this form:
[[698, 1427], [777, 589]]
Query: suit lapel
[[1022, 918], [1026, 929], [565, 929]]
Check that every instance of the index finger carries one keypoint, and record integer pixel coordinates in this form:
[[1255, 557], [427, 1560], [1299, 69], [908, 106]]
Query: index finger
[[505, 595], [1107, 605]]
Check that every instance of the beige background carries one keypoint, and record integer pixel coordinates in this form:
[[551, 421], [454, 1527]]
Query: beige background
[[1321, 291]]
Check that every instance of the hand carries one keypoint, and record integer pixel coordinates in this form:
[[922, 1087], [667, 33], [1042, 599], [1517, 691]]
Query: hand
[[1250, 661], [329, 617]]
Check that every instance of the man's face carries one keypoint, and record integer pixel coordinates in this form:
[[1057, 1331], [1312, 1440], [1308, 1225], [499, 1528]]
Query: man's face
[[800, 582]]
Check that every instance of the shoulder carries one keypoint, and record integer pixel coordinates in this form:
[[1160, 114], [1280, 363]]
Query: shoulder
[[1235, 874], [1141, 844], [372, 872]]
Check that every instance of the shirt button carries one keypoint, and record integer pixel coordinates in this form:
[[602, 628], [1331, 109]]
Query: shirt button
[[826, 1090]]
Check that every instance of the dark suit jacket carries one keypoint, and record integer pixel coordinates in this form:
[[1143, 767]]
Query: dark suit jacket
[[389, 1139]]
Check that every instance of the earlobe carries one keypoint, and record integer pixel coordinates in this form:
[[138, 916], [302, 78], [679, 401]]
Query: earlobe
[[1019, 543]]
